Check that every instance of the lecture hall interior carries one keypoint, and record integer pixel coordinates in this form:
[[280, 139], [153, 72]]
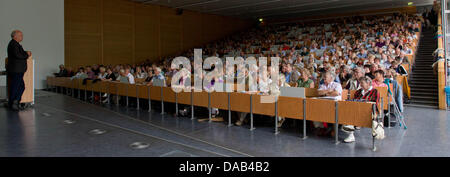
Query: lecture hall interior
[[224, 78]]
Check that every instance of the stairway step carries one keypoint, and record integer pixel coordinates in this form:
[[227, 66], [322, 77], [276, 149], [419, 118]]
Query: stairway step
[[428, 82], [423, 78], [416, 75], [418, 62], [423, 73], [429, 98], [430, 88], [420, 93], [420, 74], [425, 102], [424, 89], [423, 70], [422, 66], [423, 63], [423, 82], [416, 80], [421, 106]]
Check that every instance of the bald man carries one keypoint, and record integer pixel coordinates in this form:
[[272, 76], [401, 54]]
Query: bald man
[[16, 68]]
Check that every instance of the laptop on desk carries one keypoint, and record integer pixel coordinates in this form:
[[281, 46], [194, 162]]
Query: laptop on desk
[[296, 92]]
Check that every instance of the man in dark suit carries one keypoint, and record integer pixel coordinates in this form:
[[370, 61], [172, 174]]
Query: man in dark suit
[[16, 68]]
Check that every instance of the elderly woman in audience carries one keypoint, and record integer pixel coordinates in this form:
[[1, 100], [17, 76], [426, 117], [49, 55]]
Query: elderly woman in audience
[[353, 83], [139, 74], [366, 93], [101, 75], [305, 79]]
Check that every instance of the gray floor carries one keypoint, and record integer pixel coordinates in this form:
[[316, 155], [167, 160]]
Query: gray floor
[[44, 131]]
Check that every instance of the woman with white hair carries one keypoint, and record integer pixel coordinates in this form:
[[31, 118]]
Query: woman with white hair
[[365, 93]]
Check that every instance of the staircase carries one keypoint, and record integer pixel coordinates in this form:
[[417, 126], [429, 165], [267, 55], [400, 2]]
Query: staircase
[[424, 85]]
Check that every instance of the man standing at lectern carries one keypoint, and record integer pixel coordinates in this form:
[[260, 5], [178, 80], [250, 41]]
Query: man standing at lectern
[[16, 68]]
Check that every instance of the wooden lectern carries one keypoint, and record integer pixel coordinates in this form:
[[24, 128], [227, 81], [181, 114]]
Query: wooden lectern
[[28, 78]]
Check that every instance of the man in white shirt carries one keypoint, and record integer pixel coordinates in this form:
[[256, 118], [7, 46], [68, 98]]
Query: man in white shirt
[[330, 89], [129, 76]]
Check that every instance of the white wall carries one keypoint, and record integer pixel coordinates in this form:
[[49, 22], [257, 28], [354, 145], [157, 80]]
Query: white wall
[[42, 23]]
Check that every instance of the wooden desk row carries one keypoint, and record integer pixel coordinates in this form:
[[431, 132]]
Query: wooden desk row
[[352, 113], [319, 110]]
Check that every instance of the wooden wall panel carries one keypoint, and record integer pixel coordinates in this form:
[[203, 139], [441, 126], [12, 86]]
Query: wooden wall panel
[[147, 32], [171, 32], [82, 32], [84, 50], [125, 32], [208, 27], [192, 29], [82, 16], [118, 32]]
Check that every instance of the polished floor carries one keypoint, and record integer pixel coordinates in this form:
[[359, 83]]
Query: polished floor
[[62, 126]]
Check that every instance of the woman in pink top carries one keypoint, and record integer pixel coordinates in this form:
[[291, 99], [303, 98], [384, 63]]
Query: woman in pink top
[[379, 79]]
